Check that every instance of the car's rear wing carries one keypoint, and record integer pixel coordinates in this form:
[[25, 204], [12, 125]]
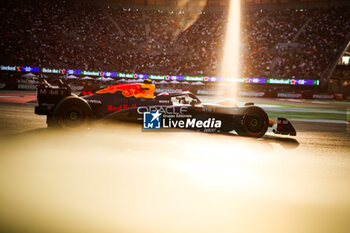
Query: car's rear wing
[[49, 95]]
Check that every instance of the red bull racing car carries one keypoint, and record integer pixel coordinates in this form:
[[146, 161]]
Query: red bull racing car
[[128, 102]]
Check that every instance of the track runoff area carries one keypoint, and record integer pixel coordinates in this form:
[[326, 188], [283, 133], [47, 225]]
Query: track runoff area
[[117, 178]]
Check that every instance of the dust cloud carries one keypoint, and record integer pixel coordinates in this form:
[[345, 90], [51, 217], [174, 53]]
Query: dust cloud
[[116, 178]]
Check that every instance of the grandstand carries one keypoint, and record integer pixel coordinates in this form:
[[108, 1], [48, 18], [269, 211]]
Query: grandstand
[[340, 78], [281, 39]]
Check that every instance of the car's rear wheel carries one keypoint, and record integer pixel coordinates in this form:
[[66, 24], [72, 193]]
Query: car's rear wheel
[[254, 122], [73, 112]]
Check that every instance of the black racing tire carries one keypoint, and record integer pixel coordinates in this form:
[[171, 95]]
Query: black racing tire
[[254, 122], [72, 112]]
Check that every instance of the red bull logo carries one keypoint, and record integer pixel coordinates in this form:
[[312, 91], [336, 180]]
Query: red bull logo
[[129, 90], [112, 108]]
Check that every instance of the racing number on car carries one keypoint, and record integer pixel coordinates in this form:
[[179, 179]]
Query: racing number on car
[[208, 109]]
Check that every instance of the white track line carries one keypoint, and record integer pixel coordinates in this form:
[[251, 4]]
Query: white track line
[[9, 96], [321, 121], [305, 110]]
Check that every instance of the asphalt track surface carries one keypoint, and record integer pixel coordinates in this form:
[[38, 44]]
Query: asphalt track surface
[[117, 178]]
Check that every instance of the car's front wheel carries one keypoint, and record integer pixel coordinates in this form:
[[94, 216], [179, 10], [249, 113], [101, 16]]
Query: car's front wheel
[[254, 122]]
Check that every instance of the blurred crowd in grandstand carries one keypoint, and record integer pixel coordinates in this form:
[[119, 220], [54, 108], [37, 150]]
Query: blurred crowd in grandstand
[[282, 43]]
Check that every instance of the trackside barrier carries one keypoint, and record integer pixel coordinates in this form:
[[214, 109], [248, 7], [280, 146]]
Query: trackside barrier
[[290, 95], [323, 96]]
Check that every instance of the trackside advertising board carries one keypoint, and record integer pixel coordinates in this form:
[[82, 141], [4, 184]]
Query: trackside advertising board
[[69, 71]]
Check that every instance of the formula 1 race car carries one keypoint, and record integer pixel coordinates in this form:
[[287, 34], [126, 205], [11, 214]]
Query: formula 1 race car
[[128, 102]]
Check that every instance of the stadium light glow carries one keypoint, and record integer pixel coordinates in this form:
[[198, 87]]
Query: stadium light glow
[[231, 55]]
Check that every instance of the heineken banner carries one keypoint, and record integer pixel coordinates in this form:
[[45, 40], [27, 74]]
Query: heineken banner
[[158, 77]]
